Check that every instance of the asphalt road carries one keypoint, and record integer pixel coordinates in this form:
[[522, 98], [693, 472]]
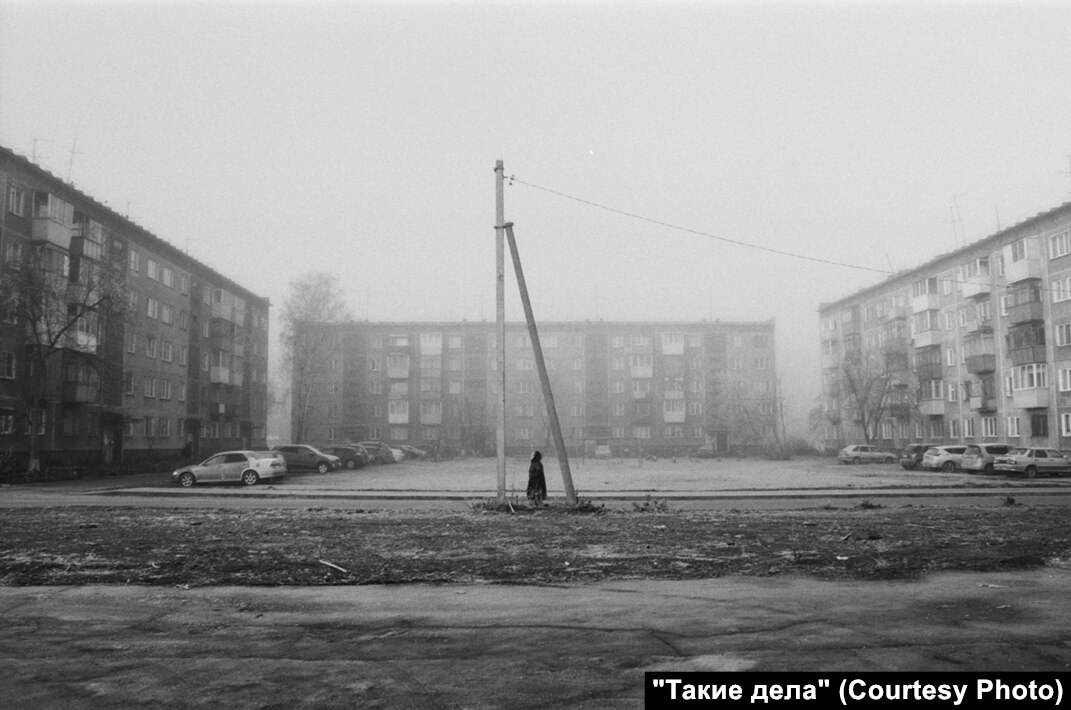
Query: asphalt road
[[570, 646]]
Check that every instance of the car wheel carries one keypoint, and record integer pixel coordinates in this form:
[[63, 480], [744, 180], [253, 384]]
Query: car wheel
[[1031, 472], [186, 480], [351, 464], [250, 478], [948, 466], [856, 460], [323, 467]]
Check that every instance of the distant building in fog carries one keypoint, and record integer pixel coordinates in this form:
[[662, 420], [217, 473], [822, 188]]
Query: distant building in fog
[[653, 387], [182, 358]]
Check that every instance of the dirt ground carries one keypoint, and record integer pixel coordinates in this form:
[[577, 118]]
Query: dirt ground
[[551, 545]]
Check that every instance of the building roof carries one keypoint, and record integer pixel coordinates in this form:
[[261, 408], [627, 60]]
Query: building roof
[[162, 246], [925, 268]]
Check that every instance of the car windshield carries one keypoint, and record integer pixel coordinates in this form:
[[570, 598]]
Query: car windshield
[[932, 452], [972, 451]]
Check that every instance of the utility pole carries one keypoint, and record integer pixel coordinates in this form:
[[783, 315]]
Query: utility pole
[[541, 366], [500, 309]]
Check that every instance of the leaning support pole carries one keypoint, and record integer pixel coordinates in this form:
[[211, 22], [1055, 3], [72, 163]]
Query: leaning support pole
[[541, 365]]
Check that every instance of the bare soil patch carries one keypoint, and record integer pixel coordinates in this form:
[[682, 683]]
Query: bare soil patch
[[552, 545]]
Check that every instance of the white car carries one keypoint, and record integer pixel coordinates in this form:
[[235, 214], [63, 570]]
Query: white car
[[248, 467]]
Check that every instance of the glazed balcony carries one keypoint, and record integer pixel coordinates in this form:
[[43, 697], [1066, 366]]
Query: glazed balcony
[[977, 286], [1023, 269], [926, 338], [1026, 312], [1035, 398], [932, 407], [1027, 355], [983, 404], [925, 302], [981, 362]]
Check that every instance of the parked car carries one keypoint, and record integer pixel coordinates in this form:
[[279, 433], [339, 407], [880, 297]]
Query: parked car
[[864, 453], [943, 458], [1031, 462], [248, 467], [303, 456], [352, 457], [379, 451], [911, 456], [978, 458], [413, 452]]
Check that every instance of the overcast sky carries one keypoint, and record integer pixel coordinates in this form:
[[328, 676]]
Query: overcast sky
[[272, 139]]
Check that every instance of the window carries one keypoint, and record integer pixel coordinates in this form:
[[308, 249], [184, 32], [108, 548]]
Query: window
[[950, 356], [953, 428], [1059, 245], [7, 423], [150, 346], [1063, 333], [182, 355], [7, 365], [1018, 250], [695, 409], [166, 314], [953, 391], [149, 389], [167, 277], [1065, 424], [524, 387], [165, 389], [1032, 376], [135, 262], [618, 409], [1013, 426], [989, 427], [1061, 290], [968, 428], [152, 308], [1064, 379], [641, 432], [618, 386], [151, 269]]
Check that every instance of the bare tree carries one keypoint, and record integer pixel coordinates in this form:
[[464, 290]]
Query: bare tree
[[871, 384], [61, 311], [309, 348]]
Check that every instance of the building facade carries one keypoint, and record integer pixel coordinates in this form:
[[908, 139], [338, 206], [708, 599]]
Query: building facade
[[174, 353], [972, 346], [638, 387]]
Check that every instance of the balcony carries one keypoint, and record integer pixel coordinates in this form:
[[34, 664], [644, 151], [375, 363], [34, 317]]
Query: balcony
[[49, 230], [1036, 398], [932, 407], [226, 311], [219, 375], [982, 362], [1026, 312], [977, 286], [983, 404], [398, 372], [926, 338], [1025, 356], [1016, 271], [79, 392], [926, 302], [673, 417], [931, 371]]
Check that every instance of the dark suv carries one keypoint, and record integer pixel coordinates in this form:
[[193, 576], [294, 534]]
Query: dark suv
[[352, 456], [304, 456], [911, 456]]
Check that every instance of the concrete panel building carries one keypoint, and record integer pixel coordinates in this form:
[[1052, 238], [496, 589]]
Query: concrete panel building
[[660, 388], [176, 353], [971, 346]]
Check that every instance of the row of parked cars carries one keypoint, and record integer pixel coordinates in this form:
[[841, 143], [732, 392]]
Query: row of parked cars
[[971, 458], [251, 467]]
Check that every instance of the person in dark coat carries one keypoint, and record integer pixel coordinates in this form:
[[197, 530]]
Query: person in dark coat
[[537, 482]]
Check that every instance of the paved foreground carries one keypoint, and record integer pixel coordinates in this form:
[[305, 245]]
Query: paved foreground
[[419, 646]]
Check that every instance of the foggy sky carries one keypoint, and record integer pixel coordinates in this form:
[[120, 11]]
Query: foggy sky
[[272, 139]]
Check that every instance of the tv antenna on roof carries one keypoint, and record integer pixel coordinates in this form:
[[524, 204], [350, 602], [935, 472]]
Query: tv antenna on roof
[[74, 152], [33, 148]]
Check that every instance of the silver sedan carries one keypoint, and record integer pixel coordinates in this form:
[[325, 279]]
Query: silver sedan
[[248, 467]]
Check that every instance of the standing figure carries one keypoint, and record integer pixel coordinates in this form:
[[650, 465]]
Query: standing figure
[[537, 483]]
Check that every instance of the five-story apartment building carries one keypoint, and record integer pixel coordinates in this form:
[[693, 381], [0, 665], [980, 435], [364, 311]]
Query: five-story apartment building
[[972, 346], [176, 353], [638, 387]]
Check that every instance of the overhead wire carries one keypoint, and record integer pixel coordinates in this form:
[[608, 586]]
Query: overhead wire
[[739, 242]]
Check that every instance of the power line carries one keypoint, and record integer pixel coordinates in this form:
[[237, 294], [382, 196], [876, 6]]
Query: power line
[[795, 255]]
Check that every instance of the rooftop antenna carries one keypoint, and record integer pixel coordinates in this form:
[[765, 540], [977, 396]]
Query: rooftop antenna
[[957, 221], [33, 149], [74, 152]]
